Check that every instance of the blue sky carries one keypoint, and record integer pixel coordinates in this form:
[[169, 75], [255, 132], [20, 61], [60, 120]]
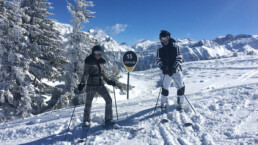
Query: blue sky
[[131, 21]]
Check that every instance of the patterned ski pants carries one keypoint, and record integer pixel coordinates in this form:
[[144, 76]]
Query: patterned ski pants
[[91, 91], [178, 79]]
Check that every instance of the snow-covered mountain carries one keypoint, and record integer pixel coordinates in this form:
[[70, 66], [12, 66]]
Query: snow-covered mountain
[[239, 43], [223, 46], [208, 49], [146, 45], [223, 92], [220, 47], [108, 43]]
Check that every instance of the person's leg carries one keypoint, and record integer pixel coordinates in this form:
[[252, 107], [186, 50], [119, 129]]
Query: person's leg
[[165, 92], [90, 91], [108, 110], [178, 78]]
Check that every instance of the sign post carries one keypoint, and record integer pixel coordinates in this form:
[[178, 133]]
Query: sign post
[[129, 60]]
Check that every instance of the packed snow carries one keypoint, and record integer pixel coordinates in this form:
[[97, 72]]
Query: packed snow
[[223, 92]]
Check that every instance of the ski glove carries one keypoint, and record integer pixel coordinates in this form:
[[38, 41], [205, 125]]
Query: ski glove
[[165, 70], [112, 83], [76, 101], [171, 72], [81, 86]]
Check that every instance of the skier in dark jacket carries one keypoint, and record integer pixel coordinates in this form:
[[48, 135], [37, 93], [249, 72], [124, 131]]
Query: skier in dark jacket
[[169, 60], [94, 75]]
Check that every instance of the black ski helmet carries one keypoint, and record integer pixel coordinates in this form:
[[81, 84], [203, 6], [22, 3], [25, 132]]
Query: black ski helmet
[[164, 33], [96, 48]]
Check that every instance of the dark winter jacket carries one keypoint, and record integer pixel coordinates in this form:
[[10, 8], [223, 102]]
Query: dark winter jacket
[[169, 56], [94, 72]]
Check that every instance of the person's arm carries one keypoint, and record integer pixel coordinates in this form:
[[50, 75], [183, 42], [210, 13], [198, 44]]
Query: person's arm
[[179, 58], [84, 77], [159, 62], [109, 82], [85, 74], [105, 78]]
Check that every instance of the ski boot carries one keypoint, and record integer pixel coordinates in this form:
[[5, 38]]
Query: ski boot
[[163, 107], [86, 124], [110, 123], [180, 108]]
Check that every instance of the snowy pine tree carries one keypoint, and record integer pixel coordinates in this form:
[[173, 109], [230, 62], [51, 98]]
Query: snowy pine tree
[[44, 46], [15, 98], [28, 50], [79, 43]]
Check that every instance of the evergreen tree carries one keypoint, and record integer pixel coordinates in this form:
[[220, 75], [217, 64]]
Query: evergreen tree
[[44, 46], [79, 43], [28, 51], [15, 94]]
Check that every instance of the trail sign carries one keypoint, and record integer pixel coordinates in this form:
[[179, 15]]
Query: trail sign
[[129, 60]]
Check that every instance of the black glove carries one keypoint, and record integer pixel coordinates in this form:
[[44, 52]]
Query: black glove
[[81, 86], [171, 72], [76, 101], [165, 70], [112, 83]]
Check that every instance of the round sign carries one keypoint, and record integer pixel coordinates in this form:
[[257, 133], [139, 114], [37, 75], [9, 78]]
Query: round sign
[[130, 60]]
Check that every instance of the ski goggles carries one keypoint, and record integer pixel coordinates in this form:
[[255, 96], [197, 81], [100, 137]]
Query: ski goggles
[[97, 52], [164, 38]]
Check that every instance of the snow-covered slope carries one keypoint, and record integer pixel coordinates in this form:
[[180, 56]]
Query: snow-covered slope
[[224, 93]]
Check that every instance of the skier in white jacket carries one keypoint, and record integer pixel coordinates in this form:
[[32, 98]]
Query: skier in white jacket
[[169, 60]]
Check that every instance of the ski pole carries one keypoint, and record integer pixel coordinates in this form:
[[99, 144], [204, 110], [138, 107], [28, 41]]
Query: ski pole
[[115, 102], [159, 94], [184, 95], [70, 122]]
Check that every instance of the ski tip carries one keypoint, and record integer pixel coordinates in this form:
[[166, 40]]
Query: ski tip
[[138, 129], [81, 141], [188, 124], [164, 121]]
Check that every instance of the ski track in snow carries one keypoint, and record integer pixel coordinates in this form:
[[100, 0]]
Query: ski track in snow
[[223, 92]]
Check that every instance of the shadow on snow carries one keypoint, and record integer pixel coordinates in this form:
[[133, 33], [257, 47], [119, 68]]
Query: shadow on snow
[[94, 131]]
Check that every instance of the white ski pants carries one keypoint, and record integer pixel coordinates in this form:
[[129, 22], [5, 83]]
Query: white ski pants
[[178, 79]]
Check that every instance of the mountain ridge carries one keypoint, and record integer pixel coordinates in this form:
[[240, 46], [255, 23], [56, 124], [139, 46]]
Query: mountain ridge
[[220, 47]]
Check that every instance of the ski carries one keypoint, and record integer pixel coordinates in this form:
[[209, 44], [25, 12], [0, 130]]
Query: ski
[[185, 121], [188, 124], [164, 120], [125, 128]]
